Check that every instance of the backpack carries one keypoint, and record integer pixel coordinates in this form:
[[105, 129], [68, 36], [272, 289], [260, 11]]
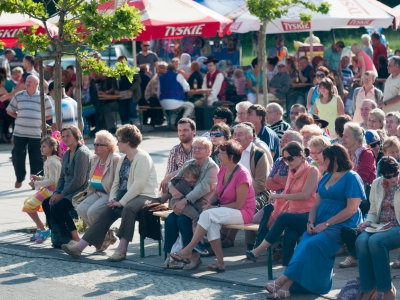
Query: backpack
[[351, 291], [57, 236]]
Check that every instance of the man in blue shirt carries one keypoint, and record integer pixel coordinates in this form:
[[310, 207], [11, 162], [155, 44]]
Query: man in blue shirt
[[256, 114]]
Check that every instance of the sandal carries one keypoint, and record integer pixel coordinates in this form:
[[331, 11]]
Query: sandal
[[165, 265], [192, 265], [272, 287], [396, 264], [227, 244], [277, 296], [109, 239], [215, 268], [176, 265], [178, 257]]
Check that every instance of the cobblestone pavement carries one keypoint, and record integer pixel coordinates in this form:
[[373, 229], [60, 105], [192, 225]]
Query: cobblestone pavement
[[117, 282]]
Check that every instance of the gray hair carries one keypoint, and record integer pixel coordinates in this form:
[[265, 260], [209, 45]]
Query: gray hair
[[357, 131], [276, 107], [109, 139], [373, 103], [243, 104], [396, 60], [321, 142], [244, 126], [294, 136], [9, 51], [34, 77], [366, 37], [18, 70], [395, 114], [203, 141], [373, 74]]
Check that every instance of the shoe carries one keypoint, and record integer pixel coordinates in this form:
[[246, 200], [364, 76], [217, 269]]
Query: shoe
[[110, 239], [42, 236], [176, 265], [165, 265], [215, 268], [272, 287], [250, 255], [341, 251], [250, 247], [18, 184], [348, 262], [117, 256], [71, 251], [192, 265], [201, 249], [396, 264], [286, 295], [34, 236]]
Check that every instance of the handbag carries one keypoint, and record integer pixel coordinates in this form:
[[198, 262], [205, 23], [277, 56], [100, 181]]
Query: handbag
[[262, 199], [78, 198]]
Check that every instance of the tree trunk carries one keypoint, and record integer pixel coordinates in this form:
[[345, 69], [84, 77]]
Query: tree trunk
[[258, 69], [42, 101], [57, 91], [264, 61], [78, 93]]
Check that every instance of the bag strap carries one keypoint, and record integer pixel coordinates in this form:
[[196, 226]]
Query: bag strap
[[257, 155], [229, 180]]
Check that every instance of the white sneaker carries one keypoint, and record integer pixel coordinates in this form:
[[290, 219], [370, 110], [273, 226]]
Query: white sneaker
[[348, 262]]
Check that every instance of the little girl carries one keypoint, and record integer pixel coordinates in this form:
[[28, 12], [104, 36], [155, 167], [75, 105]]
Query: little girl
[[49, 148]]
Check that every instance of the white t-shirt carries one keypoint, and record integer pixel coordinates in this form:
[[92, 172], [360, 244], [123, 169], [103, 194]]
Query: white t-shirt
[[69, 112]]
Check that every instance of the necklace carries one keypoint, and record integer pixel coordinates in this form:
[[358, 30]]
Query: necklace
[[101, 163]]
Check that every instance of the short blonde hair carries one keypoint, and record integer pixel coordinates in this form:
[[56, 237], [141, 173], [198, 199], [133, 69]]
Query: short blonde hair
[[366, 37], [356, 48], [313, 129], [203, 141], [109, 139], [392, 141], [243, 104], [17, 70], [321, 142], [378, 113], [372, 74]]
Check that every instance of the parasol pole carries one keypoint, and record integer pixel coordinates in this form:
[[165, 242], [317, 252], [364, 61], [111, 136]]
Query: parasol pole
[[134, 53], [311, 46]]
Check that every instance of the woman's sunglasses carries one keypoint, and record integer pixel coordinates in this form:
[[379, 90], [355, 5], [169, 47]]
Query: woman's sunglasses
[[391, 176], [374, 144], [320, 75], [216, 134], [288, 158]]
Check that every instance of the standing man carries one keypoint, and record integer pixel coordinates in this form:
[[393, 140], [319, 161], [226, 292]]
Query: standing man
[[347, 74], [180, 153], [305, 69], [5, 61], [391, 93], [332, 56], [213, 80], [279, 50], [392, 122], [274, 119], [256, 115], [25, 108], [147, 57], [379, 49]]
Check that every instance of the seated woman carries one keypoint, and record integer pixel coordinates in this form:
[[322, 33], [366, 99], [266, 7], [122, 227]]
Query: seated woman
[[236, 205], [291, 208], [317, 145], [102, 172], [308, 131], [73, 179], [338, 196], [219, 133], [339, 128], [362, 158], [372, 249], [135, 185], [376, 119], [374, 143], [178, 221]]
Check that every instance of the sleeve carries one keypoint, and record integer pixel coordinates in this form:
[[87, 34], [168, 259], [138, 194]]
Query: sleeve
[[204, 85], [284, 85], [49, 106], [206, 185], [158, 89], [354, 187], [242, 177], [217, 85], [61, 180], [3, 63], [81, 161], [115, 185], [276, 150], [52, 177], [141, 174], [171, 165], [183, 82], [148, 91], [327, 54], [155, 57], [367, 167], [260, 176], [372, 213], [13, 106], [274, 170]]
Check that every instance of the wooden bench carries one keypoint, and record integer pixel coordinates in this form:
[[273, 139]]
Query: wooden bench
[[141, 108], [253, 227]]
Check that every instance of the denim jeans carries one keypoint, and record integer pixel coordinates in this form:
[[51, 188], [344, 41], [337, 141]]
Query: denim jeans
[[87, 112], [133, 116], [175, 224], [373, 258]]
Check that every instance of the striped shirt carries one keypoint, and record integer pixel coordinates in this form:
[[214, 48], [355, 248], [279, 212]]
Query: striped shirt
[[177, 157], [95, 182], [69, 112], [28, 110], [280, 127]]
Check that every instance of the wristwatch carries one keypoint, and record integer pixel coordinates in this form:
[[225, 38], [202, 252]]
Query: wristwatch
[[186, 199], [327, 224]]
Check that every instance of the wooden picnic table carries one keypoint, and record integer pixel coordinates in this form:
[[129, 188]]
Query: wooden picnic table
[[198, 92], [300, 85], [109, 97]]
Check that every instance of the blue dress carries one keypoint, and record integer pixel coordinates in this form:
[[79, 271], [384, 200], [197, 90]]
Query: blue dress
[[311, 266]]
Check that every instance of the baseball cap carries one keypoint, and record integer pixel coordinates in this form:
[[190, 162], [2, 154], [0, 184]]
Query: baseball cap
[[372, 136], [281, 63]]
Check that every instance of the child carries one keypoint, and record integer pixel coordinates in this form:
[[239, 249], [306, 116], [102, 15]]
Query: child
[[185, 184], [49, 148], [240, 83]]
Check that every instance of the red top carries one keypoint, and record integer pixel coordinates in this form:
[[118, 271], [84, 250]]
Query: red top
[[379, 49], [366, 167]]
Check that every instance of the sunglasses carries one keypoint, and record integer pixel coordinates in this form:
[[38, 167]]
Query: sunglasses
[[216, 134], [146, 45], [281, 66], [99, 145], [374, 144], [288, 158], [391, 176], [320, 75]]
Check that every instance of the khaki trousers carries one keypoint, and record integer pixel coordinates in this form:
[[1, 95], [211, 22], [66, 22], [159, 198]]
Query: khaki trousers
[[90, 208]]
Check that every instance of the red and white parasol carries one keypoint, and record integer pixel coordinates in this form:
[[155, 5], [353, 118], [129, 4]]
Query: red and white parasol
[[11, 24]]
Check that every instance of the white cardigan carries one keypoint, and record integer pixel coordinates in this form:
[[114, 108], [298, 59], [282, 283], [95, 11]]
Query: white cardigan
[[142, 180], [52, 171], [376, 197]]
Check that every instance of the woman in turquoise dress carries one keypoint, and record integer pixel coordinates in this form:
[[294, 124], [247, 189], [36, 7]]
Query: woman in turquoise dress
[[338, 196]]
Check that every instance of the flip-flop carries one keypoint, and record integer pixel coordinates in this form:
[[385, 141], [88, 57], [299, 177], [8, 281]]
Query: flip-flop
[[193, 265], [215, 269], [177, 257], [176, 265], [396, 264]]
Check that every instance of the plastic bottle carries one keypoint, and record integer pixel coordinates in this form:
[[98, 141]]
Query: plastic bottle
[[297, 77], [195, 84]]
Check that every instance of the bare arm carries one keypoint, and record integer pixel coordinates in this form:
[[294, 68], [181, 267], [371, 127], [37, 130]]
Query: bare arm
[[274, 185], [250, 86], [340, 106], [14, 115], [316, 109], [309, 96]]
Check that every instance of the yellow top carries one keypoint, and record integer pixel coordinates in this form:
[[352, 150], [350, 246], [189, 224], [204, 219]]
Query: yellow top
[[328, 112]]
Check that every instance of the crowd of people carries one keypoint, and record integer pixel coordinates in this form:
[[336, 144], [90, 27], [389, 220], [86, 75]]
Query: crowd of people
[[321, 173]]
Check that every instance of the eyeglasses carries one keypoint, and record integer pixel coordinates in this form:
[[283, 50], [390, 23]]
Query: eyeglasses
[[281, 66], [320, 75], [198, 148], [288, 158], [391, 176], [315, 153], [146, 45], [374, 144], [271, 112], [216, 134], [99, 145]]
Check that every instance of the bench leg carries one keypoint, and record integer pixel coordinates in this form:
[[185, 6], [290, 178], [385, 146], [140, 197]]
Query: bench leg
[[270, 276], [140, 115], [142, 253], [159, 248]]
